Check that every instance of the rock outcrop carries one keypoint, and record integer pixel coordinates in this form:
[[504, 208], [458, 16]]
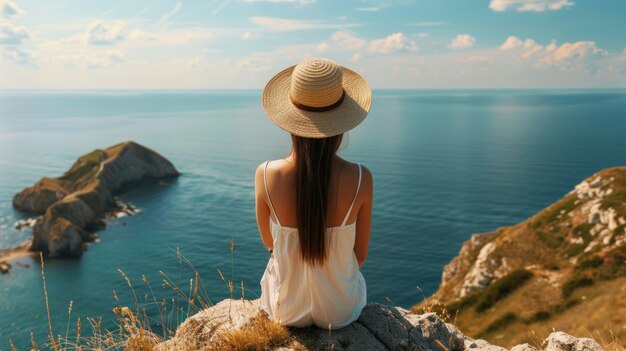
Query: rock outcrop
[[380, 327], [73, 205], [4, 267], [566, 261]]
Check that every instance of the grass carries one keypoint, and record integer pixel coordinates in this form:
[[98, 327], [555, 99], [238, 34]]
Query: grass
[[617, 199], [259, 335], [486, 298], [502, 288], [596, 268], [573, 284], [465, 302], [551, 240], [550, 215], [539, 316], [86, 167], [499, 323], [135, 329], [589, 263]]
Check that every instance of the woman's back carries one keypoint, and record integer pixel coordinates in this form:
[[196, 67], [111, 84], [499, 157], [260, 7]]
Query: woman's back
[[281, 179], [294, 292]]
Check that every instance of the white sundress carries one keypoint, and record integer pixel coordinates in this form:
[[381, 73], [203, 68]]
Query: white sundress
[[294, 293]]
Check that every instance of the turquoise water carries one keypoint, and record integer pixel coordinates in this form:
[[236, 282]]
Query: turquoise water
[[446, 164]]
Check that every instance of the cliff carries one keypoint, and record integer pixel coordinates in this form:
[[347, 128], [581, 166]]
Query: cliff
[[562, 269], [241, 325], [73, 205]]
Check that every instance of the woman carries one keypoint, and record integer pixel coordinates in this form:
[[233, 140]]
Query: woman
[[314, 208]]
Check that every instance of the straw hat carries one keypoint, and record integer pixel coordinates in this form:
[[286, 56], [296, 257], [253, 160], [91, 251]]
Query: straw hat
[[317, 98]]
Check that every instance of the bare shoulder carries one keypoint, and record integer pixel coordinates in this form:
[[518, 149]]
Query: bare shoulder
[[367, 180], [273, 167], [258, 175], [366, 175]]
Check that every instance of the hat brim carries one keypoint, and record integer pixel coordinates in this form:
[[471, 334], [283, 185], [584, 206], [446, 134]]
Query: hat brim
[[347, 115]]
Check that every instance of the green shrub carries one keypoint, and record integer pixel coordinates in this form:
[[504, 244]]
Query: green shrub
[[552, 241], [566, 205], [539, 316], [571, 303], [463, 303], [574, 249], [592, 262], [552, 267], [575, 283], [500, 323], [583, 230], [501, 288]]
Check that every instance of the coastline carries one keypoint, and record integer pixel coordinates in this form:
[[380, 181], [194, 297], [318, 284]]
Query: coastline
[[15, 252]]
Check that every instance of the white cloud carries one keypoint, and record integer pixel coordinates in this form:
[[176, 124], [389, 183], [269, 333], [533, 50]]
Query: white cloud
[[423, 34], [529, 5], [246, 36], [105, 59], [321, 47], [462, 41], [9, 9], [253, 64], [580, 55], [536, 49], [168, 15], [347, 41], [11, 35], [19, 56], [394, 42], [288, 25], [138, 34], [426, 24], [572, 53], [101, 33], [85, 58], [513, 43], [367, 9]]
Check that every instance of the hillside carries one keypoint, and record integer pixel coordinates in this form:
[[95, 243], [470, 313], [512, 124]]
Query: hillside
[[562, 269]]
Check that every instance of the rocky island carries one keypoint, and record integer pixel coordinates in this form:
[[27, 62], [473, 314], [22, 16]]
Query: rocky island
[[72, 207], [562, 269]]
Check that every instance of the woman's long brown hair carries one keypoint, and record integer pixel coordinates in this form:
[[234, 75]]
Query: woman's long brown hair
[[313, 160]]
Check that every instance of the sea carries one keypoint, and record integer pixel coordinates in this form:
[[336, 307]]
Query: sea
[[446, 164]]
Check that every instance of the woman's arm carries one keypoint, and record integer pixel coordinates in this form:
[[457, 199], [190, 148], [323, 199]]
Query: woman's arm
[[364, 217], [262, 208]]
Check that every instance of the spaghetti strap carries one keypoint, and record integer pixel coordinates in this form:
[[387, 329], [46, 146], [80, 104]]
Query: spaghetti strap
[[354, 199], [268, 193]]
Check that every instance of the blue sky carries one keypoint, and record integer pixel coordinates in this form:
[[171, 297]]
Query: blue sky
[[241, 43]]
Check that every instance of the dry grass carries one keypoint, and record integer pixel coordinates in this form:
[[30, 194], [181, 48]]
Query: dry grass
[[133, 331], [591, 317], [260, 334]]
